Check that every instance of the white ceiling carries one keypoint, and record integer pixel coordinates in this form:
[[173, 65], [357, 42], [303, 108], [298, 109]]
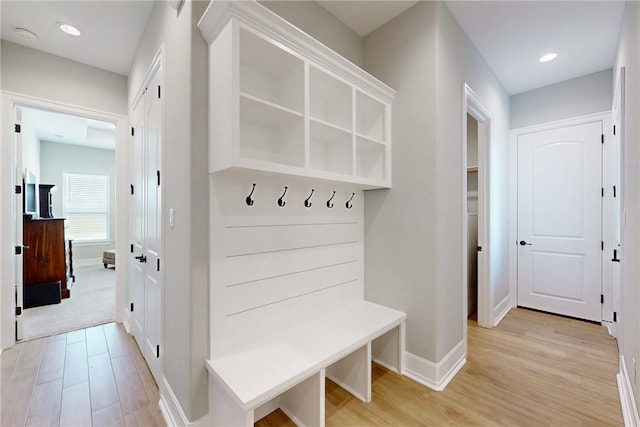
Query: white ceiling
[[111, 30], [510, 35], [513, 35], [364, 16], [67, 129]]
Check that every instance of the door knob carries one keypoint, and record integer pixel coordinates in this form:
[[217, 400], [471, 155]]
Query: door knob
[[141, 258], [523, 243]]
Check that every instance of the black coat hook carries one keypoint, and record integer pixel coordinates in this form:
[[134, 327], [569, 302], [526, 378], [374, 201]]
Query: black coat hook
[[329, 204], [348, 204], [307, 202], [281, 201], [249, 200]]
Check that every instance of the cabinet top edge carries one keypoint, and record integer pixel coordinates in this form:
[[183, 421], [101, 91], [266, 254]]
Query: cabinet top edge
[[220, 12]]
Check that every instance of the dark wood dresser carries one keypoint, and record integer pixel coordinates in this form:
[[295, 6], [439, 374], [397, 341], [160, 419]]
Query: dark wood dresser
[[44, 260]]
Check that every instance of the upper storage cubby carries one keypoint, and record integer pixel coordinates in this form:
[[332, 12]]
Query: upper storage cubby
[[281, 102], [270, 74]]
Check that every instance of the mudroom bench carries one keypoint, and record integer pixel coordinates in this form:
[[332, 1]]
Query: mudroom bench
[[288, 370]]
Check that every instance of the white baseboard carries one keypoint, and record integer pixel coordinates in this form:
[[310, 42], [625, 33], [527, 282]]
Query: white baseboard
[[436, 376], [86, 262], [501, 310], [627, 400], [172, 411], [609, 326]]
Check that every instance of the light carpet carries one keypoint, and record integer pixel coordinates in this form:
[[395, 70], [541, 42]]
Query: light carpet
[[92, 302]]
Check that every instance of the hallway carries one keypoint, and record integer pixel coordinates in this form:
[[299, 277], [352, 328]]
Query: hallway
[[90, 377]]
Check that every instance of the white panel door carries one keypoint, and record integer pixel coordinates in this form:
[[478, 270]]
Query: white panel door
[[137, 269], [559, 220], [145, 291], [153, 118], [18, 224]]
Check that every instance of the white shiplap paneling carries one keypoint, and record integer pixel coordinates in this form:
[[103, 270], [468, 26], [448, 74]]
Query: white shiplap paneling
[[274, 266]]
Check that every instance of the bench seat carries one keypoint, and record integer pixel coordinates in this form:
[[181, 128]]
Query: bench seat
[[256, 375]]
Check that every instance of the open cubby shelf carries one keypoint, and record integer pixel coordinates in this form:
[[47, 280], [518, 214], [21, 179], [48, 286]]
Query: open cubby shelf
[[278, 106]]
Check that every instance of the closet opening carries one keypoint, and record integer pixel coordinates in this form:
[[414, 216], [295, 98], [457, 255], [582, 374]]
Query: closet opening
[[477, 136], [472, 218]]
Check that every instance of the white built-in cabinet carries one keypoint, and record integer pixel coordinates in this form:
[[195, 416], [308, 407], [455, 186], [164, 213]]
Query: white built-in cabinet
[[283, 103]]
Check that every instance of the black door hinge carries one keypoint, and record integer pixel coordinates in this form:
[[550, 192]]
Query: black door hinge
[[602, 138], [602, 192], [131, 307], [158, 175], [131, 188], [158, 266], [17, 128], [158, 351], [132, 248], [158, 91], [18, 311], [614, 191], [601, 245], [601, 299], [614, 129], [132, 131], [479, 248], [18, 189], [615, 316], [18, 250]]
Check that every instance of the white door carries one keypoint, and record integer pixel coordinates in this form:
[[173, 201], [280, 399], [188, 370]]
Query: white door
[[152, 290], [145, 266], [618, 203], [559, 220], [137, 268], [18, 221]]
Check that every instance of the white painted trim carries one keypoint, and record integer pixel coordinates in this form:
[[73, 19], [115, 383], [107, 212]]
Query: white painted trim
[[501, 310], [627, 400], [292, 38], [172, 411], [11, 100], [604, 117], [436, 376]]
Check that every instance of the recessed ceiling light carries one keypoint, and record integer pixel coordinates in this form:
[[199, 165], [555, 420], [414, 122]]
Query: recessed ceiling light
[[548, 57], [69, 29], [26, 34]]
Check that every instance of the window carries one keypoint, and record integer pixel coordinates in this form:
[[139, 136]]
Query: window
[[86, 206]]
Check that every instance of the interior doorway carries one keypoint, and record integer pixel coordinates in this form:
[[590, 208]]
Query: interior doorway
[[477, 137], [472, 217], [13, 303], [68, 165]]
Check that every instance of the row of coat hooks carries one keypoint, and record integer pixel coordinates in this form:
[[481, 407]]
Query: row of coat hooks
[[307, 203]]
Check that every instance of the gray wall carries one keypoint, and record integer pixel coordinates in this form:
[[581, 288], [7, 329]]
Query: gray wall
[[410, 261], [572, 98], [55, 159], [32, 72], [628, 56], [185, 181], [319, 23]]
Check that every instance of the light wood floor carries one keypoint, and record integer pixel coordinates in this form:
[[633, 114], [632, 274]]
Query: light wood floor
[[90, 377], [534, 369]]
